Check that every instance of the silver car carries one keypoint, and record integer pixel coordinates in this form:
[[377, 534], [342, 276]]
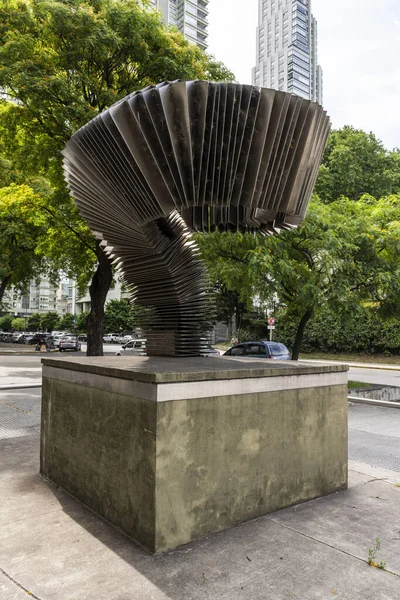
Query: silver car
[[136, 347], [69, 343]]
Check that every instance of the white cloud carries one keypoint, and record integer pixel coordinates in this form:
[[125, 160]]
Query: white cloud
[[359, 46]]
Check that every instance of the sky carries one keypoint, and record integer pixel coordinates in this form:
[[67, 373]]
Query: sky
[[358, 49]]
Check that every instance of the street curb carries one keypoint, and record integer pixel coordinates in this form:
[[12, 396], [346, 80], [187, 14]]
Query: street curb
[[373, 402]]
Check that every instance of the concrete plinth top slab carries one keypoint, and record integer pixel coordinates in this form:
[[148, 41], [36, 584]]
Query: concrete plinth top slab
[[170, 370]]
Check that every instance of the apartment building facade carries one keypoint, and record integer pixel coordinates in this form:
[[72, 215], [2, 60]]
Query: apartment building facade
[[190, 17], [41, 297], [287, 49]]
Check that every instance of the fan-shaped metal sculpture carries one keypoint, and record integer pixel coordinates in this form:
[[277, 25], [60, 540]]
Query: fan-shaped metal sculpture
[[191, 155]]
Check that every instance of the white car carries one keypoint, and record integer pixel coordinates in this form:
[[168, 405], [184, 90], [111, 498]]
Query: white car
[[136, 347], [112, 338], [57, 340]]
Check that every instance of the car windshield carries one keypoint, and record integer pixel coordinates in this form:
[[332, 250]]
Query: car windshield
[[277, 349]]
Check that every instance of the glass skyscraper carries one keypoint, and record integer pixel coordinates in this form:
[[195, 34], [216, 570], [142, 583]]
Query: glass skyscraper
[[287, 40], [189, 16]]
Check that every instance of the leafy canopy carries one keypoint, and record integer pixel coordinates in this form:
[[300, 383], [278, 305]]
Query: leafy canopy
[[22, 227], [61, 63], [356, 163]]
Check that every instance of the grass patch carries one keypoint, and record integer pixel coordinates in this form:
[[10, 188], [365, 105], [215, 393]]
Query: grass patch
[[353, 385]]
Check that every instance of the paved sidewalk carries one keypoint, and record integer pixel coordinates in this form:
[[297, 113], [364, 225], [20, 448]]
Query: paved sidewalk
[[52, 548]]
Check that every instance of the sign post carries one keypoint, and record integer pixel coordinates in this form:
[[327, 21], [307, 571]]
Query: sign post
[[271, 326]]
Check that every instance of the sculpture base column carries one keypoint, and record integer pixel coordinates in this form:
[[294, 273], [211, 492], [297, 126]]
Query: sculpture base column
[[170, 450]]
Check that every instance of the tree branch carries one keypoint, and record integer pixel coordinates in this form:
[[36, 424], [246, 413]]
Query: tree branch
[[80, 238]]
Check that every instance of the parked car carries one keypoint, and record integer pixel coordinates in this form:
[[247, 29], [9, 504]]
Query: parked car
[[69, 343], [57, 339], [263, 349], [112, 338], [207, 349], [82, 337], [27, 338], [6, 337], [37, 338], [136, 347]]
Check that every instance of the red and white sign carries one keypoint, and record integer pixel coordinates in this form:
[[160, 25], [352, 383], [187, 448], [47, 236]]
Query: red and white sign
[[271, 321]]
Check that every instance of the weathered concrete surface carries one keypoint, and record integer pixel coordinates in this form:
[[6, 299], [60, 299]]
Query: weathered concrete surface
[[58, 550], [169, 471], [227, 460], [166, 370], [100, 447]]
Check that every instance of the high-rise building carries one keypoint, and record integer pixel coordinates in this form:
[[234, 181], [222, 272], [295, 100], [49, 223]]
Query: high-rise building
[[287, 41], [189, 16], [41, 296]]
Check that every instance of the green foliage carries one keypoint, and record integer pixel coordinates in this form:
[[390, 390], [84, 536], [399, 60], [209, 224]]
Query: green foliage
[[49, 321], [233, 279], [34, 322], [19, 324], [67, 322], [364, 331], [81, 321], [121, 316], [63, 62], [22, 227], [357, 385], [356, 163], [373, 555], [5, 322], [344, 254]]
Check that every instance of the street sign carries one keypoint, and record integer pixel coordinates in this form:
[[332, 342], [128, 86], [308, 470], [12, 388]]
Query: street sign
[[271, 326], [271, 321]]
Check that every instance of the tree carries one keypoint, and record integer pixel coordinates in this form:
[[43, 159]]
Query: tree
[[118, 316], [62, 63], [357, 163], [49, 321], [22, 226], [34, 322], [67, 322], [121, 315], [19, 324], [341, 256], [233, 284], [5, 322]]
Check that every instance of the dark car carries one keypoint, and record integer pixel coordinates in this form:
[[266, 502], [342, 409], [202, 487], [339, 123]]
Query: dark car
[[39, 338], [263, 349]]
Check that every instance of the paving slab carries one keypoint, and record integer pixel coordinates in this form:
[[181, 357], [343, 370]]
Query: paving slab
[[10, 590], [351, 521], [52, 548]]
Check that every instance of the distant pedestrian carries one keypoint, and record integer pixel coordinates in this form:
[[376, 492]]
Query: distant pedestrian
[[234, 341]]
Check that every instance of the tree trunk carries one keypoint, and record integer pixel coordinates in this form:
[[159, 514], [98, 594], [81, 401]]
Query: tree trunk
[[300, 333], [98, 292], [3, 285]]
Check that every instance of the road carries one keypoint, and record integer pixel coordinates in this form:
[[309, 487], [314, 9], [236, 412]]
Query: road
[[375, 376], [374, 432]]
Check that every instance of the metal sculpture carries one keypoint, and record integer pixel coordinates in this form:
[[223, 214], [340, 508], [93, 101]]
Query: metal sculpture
[[190, 156]]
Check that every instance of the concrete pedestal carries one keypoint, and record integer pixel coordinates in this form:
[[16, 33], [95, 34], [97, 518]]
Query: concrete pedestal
[[170, 450]]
